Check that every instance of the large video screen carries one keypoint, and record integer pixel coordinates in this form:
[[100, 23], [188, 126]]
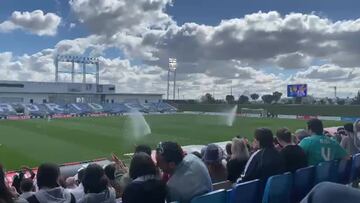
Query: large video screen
[[298, 90]]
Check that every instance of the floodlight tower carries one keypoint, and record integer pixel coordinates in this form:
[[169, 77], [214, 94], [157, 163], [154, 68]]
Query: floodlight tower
[[172, 68], [78, 60], [335, 92]]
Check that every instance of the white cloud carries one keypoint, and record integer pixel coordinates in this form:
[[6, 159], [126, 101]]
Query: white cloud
[[329, 72], [36, 67], [261, 39], [210, 58], [109, 17], [35, 22], [293, 60], [93, 43]]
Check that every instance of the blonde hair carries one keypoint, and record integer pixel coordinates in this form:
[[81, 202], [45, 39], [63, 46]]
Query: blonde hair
[[239, 149]]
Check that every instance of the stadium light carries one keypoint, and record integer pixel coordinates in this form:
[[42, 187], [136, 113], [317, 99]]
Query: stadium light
[[172, 68], [80, 60]]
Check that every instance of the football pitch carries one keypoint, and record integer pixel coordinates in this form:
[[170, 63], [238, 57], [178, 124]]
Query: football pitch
[[31, 142]]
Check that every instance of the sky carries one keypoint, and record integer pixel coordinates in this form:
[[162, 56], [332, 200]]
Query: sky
[[253, 46]]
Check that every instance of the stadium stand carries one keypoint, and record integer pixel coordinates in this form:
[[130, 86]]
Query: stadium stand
[[246, 192], [276, 189], [217, 196], [285, 187], [81, 109], [303, 182]]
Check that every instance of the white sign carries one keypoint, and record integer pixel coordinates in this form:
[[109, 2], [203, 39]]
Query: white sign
[[6, 108], [54, 107]]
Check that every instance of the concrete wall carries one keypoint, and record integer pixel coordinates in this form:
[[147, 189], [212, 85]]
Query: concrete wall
[[142, 98], [23, 98], [52, 87], [72, 98]]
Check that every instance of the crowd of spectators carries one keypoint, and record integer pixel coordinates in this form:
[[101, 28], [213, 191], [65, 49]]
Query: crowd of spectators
[[173, 175]]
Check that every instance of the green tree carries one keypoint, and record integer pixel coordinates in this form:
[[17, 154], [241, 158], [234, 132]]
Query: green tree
[[277, 96], [254, 96], [230, 99], [243, 99], [356, 99], [267, 98], [340, 101], [207, 98], [298, 100]]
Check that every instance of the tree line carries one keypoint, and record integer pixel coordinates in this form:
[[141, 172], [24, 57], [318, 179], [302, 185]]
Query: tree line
[[243, 99], [275, 98]]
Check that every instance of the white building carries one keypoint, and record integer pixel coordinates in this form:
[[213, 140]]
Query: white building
[[61, 92]]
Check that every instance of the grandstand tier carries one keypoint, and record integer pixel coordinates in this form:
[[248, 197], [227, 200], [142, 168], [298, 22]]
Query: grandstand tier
[[13, 110]]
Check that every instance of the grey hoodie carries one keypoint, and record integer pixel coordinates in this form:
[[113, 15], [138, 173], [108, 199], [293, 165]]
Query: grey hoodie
[[53, 195], [107, 196]]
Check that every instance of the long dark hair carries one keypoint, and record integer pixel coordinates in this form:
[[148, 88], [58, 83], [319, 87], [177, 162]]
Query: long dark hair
[[5, 193], [141, 165]]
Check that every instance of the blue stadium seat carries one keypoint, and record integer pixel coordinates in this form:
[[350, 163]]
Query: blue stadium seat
[[247, 192], [344, 169], [218, 196], [228, 195], [355, 168], [278, 189], [323, 172], [302, 183]]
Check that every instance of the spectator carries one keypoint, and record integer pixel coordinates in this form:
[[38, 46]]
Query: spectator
[[110, 174], [27, 188], [189, 175], [239, 156], [49, 189], [319, 148], [121, 175], [340, 133], [6, 195], [70, 183], [294, 156], [212, 158], [350, 142], [143, 148], [228, 151], [78, 192], [300, 134], [96, 186], [266, 161], [146, 185], [327, 192], [196, 153], [17, 180]]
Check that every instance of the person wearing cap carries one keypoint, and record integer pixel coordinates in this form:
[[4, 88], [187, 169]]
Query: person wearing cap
[[213, 156], [189, 176], [350, 142]]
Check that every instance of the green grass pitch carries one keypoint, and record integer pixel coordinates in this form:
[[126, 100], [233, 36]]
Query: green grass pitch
[[31, 142]]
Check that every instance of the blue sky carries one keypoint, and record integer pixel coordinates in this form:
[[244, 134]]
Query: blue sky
[[213, 11], [209, 12], [262, 52]]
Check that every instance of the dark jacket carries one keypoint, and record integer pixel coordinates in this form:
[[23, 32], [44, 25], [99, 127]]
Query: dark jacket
[[264, 163], [294, 157], [146, 190], [235, 168]]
